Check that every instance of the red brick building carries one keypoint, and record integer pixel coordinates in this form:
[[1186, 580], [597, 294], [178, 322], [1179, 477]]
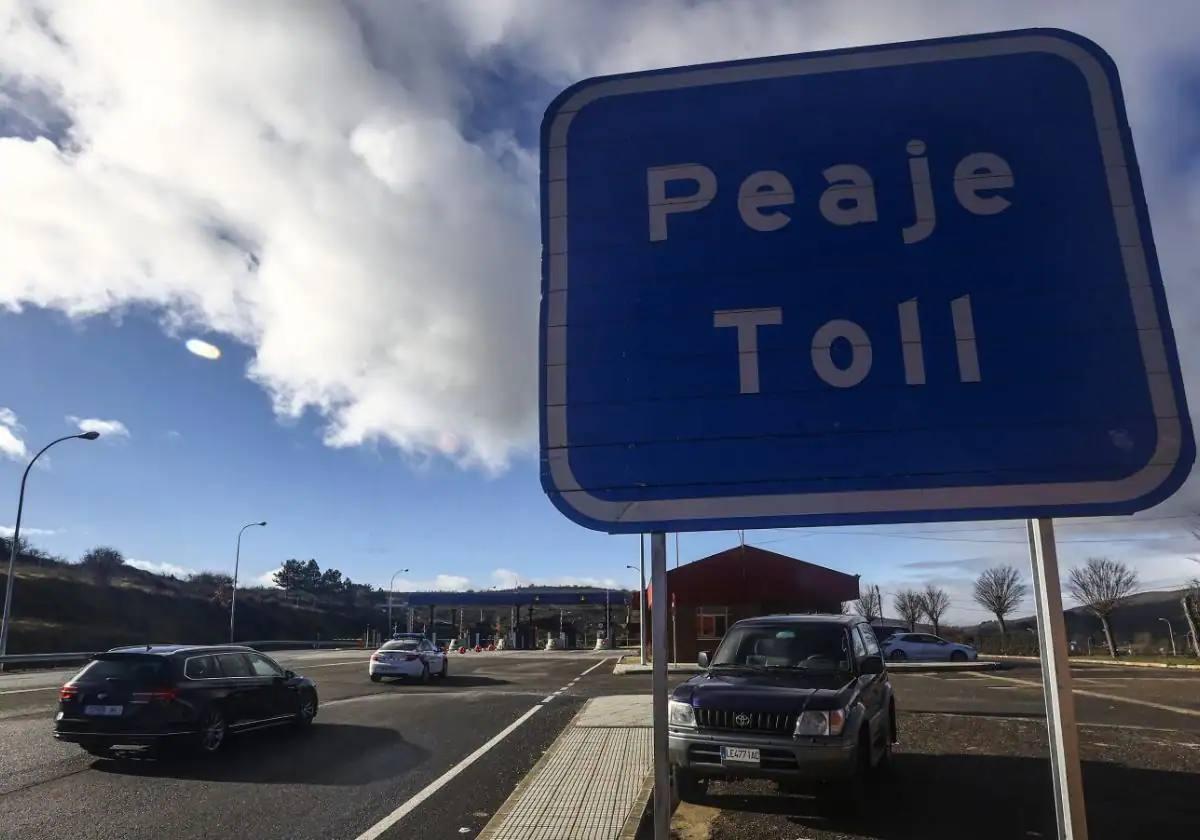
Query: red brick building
[[712, 593]]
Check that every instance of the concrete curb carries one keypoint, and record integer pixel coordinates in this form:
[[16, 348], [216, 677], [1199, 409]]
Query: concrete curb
[[677, 668], [1091, 661], [898, 667]]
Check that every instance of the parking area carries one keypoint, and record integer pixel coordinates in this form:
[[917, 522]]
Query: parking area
[[973, 761]]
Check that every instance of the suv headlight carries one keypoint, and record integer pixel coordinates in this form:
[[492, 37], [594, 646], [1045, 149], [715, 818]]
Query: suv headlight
[[821, 723], [681, 714]]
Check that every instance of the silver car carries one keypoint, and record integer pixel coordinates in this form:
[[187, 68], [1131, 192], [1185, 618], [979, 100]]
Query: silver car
[[925, 647], [408, 657]]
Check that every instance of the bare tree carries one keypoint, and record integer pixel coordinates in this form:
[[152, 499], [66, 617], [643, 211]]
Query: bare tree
[[910, 605], [1000, 590], [104, 562], [1191, 612], [934, 603], [870, 603], [1100, 585]]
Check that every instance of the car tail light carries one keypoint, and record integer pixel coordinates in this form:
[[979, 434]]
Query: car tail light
[[165, 695], [68, 692], [375, 657]]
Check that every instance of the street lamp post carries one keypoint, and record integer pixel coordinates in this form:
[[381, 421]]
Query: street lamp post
[[641, 603], [16, 539], [391, 586], [237, 561], [1171, 630]]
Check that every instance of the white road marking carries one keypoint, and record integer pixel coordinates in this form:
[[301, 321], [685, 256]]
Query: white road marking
[[437, 784], [27, 690], [593, 668], [343, 662], [1179, 710]]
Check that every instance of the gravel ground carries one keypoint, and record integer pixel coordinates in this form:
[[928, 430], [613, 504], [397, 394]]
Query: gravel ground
[[986, 776]]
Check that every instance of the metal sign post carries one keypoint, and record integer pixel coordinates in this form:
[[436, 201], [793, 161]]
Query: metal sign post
[[662, 775], [1056, 680]]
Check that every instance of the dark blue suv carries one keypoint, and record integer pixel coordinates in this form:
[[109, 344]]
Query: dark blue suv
[[792, 697]]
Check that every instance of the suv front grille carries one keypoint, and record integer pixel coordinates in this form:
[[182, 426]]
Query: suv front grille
[[770, 722]]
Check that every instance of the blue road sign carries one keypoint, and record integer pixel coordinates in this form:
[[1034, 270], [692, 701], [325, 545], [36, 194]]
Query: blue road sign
[[901, 283]]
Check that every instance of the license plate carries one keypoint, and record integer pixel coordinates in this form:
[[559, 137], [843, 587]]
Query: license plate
[[103, 711], [740, 755]]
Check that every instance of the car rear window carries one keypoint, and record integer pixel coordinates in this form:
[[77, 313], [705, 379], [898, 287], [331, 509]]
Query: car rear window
[[402, 644], [143, 670]]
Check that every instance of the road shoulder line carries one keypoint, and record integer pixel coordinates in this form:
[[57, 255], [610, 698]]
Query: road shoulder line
[[1098, 695]]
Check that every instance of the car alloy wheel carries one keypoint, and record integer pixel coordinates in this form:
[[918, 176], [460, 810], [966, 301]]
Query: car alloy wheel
[[958, 656], [213, 732], [897, 656], [308, 708]]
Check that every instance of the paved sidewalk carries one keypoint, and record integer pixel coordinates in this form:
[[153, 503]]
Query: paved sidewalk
[[592, 784]]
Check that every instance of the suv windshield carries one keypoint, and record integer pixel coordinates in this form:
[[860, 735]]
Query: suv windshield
[[143, 670], [803, 646]]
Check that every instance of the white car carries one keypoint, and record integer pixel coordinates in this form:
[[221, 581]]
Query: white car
[[408, 657]]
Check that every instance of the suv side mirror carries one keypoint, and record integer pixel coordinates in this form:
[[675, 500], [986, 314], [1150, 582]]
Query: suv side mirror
[[289, 675], [702, 659], [872, 665]]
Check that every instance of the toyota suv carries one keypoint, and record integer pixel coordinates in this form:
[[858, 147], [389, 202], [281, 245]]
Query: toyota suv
[[790, 698]]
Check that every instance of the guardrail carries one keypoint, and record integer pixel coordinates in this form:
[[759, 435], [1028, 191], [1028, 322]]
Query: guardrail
[[70, 657]]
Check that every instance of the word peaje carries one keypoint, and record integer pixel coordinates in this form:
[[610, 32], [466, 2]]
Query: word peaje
[[848, 200]]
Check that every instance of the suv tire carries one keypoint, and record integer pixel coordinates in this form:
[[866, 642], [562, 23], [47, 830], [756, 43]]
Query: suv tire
[[686, 786]]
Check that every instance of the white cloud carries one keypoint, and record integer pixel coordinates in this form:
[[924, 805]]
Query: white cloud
[[267, 579], [8, 530], [11, 445], [163, 568], [508, 579], [359, 212], [105, 428]]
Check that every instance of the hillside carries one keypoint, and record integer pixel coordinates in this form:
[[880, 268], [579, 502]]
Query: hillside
[[60, 607]]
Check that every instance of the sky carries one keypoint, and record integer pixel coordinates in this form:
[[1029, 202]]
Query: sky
[[341, 198]]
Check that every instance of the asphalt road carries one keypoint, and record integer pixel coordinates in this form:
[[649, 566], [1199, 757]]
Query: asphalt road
[[973, 762], [373, 747], [972, 759]]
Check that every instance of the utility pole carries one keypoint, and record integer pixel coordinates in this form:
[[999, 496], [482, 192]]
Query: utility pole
[[1171, 630]]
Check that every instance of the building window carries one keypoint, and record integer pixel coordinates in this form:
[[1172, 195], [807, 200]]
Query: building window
[[711, 622]]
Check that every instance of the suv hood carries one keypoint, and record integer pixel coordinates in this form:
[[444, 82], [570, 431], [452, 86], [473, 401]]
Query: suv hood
[[772, 692]]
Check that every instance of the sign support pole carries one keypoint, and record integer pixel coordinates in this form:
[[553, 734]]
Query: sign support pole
[[662, 771], [1056, 680]]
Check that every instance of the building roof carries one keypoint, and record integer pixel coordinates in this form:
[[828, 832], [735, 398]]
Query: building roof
[[525, 596], [748, 573]]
